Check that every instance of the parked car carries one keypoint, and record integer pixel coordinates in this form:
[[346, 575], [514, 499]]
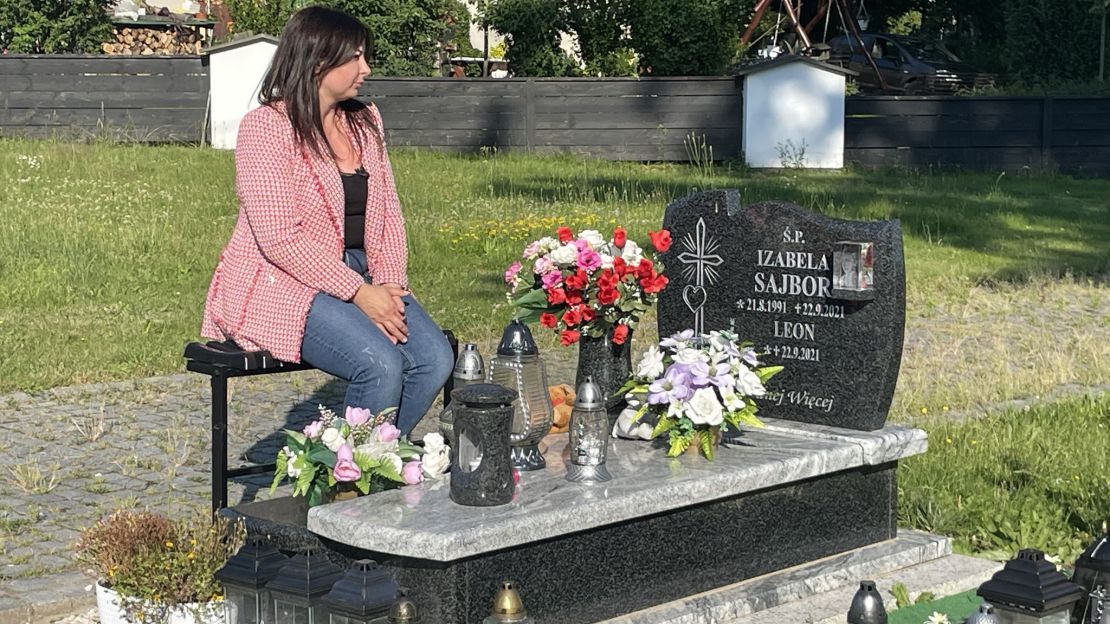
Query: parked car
[[910, 65]]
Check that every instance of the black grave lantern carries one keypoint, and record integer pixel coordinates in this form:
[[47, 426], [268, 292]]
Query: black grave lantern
[[363, 595], [481, 474], [1030, 590], [298, 589], [244, 579], [1092, 571], [867, 605]]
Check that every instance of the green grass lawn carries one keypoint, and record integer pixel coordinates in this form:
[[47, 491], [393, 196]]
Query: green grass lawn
[[106, 250]]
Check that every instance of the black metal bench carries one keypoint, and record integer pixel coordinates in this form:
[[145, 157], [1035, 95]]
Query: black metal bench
[[222, 361]]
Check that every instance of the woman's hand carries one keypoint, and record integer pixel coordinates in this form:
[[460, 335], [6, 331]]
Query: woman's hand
[[382, 304]]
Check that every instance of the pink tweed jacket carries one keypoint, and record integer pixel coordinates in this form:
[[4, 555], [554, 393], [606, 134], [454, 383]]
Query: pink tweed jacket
[[287, 244]]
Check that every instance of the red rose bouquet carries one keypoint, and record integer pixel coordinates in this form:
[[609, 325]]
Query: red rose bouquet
[[584, 284]]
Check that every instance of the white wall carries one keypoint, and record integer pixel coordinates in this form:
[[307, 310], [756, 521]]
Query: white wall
[[794, 104], [236, 76]]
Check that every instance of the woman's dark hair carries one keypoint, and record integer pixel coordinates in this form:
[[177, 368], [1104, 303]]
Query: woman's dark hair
[[315, 40]]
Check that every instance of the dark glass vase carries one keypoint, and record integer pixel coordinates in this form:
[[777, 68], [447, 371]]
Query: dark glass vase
[[609, 365]]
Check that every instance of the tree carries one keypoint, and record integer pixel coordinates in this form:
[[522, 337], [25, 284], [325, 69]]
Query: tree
[[1051, 41], [685, 37], [532, 30], [54, 26], [600, 27], [408, 34]]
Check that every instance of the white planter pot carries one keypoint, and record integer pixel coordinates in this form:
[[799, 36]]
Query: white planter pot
[[111, 610]]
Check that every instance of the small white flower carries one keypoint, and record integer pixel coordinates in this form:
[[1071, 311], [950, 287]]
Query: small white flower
[[565, 256], [593, 237], [747, 382], [394, 459], [704, 408], [651, 364], [434, 442], [606, 261], [937, 618], [733, 402], [689, 355], [375, 449], [548, 243], [632, 254], [332, 439], [289, 457]]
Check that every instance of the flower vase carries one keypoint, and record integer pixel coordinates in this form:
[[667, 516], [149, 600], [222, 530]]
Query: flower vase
[[341, 492], [609, 365]]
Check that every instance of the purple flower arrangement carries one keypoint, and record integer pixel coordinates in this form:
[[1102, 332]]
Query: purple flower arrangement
[[359, 452], [699, 386]]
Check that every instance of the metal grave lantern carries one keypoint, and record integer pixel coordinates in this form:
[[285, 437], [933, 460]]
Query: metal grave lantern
[[518, 366], [508, 607], [244, 579], [363, 595], [1092, 571], [589, 436], [298, 589], [481, 474], [867, 605], [470, 369], [1030, 590], [403, 611], [853, 275], [985, 615]]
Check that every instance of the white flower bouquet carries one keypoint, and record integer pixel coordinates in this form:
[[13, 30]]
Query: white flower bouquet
[[699, 386]]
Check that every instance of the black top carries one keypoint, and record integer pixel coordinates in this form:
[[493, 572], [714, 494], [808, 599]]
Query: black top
[[355, 189]]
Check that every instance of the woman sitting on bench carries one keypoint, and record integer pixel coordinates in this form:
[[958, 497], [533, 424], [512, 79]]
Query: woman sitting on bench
[[316, 266]]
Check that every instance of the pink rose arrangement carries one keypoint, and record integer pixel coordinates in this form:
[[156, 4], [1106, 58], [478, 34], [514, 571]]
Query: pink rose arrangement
[[361, 451], [584, 284]]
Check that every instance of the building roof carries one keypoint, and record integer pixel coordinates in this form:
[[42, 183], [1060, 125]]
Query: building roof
[[786, 59], [240, 42]]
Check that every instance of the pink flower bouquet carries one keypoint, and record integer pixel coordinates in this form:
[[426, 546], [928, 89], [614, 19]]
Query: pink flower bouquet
[[359, 452], [585, 284]]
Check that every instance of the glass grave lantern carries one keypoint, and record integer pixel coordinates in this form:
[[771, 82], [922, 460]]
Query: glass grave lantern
[[363, 595], [518, 366], [1030, 590], [853, 276], [508, 607], [481, 474], [1092, 571], [867, 605], [469, 369], [589, 436], [244, 579], [299, 587]]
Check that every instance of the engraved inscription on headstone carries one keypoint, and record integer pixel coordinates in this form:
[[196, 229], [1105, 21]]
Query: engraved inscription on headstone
[[765, 271]]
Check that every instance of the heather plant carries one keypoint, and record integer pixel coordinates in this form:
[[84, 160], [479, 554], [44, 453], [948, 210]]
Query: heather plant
[[158, 566]]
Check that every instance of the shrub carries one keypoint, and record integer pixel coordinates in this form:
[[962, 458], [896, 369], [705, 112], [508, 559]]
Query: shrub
[[54, 26], [532, 32]]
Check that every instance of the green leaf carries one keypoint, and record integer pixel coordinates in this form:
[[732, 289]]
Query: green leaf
[[304, 480], [363, 483], [705, 440], [280, 471], [639, 413], [901, 595], [529, 317], [664, 425], [533, 299], [322, 455], [679, 443], [315, 496], [767, 372], [296, 436]]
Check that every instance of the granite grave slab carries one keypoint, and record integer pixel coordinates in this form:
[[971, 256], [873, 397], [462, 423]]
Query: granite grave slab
[[765, 271], [791, 494]]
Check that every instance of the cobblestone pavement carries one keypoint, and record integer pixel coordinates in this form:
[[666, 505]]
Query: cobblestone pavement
[[70, 455]]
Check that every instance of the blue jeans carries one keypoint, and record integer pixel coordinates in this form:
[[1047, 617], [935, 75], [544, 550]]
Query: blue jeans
[[341, 340]]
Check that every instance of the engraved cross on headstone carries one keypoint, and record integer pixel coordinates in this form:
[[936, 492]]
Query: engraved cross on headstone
[[701, 261]]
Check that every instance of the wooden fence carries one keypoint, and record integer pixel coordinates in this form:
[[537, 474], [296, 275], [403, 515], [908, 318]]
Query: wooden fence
[[615, 119], [145, 98], [165, 99], [1071, 134]]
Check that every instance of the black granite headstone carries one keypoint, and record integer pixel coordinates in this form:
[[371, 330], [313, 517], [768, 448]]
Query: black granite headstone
[[765, 272]]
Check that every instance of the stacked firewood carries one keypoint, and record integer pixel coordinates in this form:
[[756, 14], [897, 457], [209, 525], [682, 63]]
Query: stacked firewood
[[153, 41]]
